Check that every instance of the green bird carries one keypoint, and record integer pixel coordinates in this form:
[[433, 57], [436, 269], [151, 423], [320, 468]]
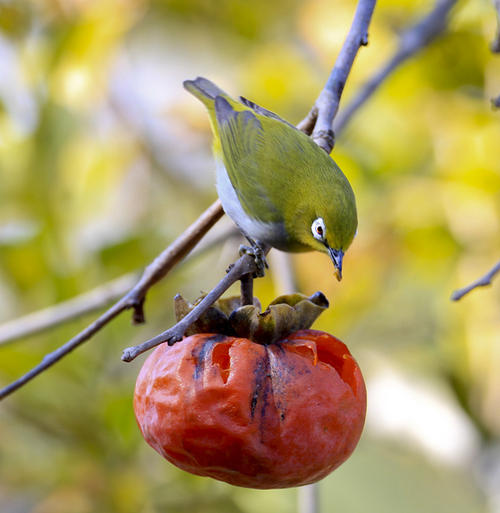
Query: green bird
[[279, 187]]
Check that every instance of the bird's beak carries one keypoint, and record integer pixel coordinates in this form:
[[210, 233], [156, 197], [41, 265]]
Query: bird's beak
[[337, 255]]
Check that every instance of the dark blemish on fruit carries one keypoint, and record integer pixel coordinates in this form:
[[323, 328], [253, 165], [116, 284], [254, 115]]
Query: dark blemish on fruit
[[259, 377], [204, 350]]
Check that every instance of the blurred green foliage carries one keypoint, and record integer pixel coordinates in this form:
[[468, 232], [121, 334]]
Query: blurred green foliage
[[104, 159]]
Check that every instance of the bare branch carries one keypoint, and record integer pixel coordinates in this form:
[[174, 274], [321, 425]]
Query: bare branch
[[326, 106], [153, 273], [162, 264], [74, 308], [414, 39], [244, 266], [484, 281], [95, 299], [52, 358], [308, 123]]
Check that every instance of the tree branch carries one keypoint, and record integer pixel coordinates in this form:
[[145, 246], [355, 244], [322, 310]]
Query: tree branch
[[318, 123], [42, 320], [481, 282], [415, 38], [162, 264], [52, 358], [96, 299], [135, 298], [243, 267]]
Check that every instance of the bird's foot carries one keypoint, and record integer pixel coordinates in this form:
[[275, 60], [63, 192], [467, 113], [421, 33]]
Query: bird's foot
[[259, 256]]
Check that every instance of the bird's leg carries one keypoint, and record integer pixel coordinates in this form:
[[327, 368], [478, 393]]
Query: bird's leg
[[258, 251]]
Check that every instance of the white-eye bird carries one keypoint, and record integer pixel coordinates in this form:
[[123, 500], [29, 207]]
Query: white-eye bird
[[277, 185]]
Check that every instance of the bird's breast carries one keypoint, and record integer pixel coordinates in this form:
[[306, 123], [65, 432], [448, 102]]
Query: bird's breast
[[273, 234]]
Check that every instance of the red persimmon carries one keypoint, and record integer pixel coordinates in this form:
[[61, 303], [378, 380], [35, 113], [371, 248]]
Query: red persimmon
[[255, 415]]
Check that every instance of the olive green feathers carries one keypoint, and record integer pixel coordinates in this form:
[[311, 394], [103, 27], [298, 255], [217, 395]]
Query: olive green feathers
[[277, 185]]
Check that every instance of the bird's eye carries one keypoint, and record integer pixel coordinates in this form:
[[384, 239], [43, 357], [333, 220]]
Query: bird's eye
[[318, 229]]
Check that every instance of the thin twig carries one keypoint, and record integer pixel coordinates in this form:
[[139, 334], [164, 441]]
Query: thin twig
[[484, 281], [154, 272], [326, 106], [43, 320], [415, 38], [90, 301], [162, 264], [52, 358], [243, 266]]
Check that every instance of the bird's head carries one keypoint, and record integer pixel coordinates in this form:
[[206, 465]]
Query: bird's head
[[331, 230], [331, 242]]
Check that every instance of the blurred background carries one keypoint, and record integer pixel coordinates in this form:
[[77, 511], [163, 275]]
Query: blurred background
[[105, 159]]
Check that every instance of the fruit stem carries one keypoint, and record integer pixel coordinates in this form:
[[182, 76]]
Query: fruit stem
[[246, 289]]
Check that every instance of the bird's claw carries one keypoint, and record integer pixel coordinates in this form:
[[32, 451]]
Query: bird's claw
[[259, 256]]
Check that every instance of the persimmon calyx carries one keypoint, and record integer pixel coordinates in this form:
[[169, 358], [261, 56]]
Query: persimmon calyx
[[286, 314]]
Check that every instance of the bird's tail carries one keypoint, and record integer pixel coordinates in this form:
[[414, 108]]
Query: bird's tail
[[204, 90]]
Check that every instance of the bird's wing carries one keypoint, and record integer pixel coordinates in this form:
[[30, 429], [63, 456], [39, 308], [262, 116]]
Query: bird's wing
[[264, 112], [248, 159], [254, 148]]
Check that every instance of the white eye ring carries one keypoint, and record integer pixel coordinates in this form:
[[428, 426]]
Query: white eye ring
[[318, 229]]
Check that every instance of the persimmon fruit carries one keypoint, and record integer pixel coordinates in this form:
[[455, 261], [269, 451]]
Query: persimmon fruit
[[251, 414]]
